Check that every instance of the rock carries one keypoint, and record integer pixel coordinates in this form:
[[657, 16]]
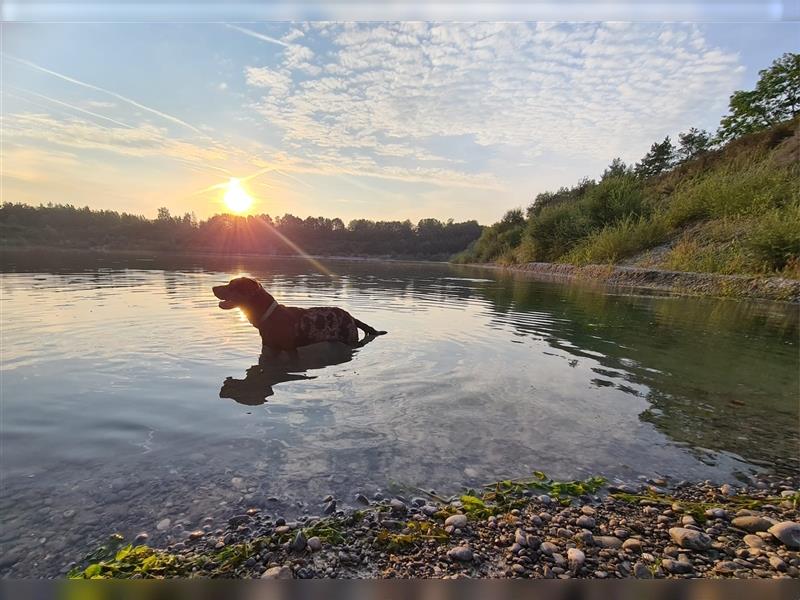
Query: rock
[[725, 567], [559, 560], [314, 544], [460, 553], [518, 569], [418, 502], [196, 534], [588, 511], [640, 571], [776, 562], [283, 572], [727, 490], [281, 529], [457, 521], [69, 513], [398, 506], [788, 532], [362, 499], [327, 498], [299, 543], [716, 513], [429, 510], [237, 483], [237, 520], [632, 545], [330, 507], [753, 541], [607, 541], [141, 538], [688, 520], [576, 558], [676, 567], [689, 538], [520, 537], [163, 524], [545, 499], [751, 523], [548, 548], [585, 537], [585, 521]]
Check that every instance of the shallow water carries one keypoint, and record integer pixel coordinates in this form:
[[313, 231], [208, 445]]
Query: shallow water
[[117, 411]]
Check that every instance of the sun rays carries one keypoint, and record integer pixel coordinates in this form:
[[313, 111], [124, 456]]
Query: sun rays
[[236, 198]]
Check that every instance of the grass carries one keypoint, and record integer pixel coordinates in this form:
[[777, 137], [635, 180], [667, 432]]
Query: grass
[[735, 210]]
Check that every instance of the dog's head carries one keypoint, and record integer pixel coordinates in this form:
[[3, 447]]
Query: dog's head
[[244, 293]]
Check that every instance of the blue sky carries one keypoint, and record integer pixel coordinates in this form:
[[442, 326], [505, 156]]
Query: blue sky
[[376, 120]]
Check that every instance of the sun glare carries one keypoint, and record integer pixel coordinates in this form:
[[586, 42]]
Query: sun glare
[[236, 199]]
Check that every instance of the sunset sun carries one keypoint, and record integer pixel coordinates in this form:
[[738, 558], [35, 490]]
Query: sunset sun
[[236, 198]]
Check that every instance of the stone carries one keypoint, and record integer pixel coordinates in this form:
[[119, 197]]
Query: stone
[[283, 572], [585, 521], [725, 567], [141, 538], [362, 499], [788, 532], [545, 499], [548, 548], [689, 538], [398, 506], [753, 541], [429, 510], [676, 567], [716, 513], [752, 523], [299, 543], [727, 490], [163, 524], [632, 545], [520, 537], [607, 541], [457, 521], [777, 563], [196, 534], [314, 544], [575, 558], [330, 507], [460, 553], [588, 511], [237, 483]]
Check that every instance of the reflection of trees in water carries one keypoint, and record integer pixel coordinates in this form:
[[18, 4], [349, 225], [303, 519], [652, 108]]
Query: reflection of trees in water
[[720, 374]]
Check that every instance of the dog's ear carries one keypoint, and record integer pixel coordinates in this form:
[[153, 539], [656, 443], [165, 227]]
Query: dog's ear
[[248, 286]]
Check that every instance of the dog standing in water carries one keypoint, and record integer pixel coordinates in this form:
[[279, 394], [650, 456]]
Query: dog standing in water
[[288, 327]]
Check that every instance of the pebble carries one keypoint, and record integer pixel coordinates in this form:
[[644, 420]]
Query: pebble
[[545, 499], [608, 541], [576, 558], [330, 507], [314, 544], [196, 534], [362, 499], [725, 567], [299, 543], [788, 532], [141, 538], [460, 553], [548, 548], [777, 563], [752, 523], [237, 483], [689, 538], [716, 513], [458, 521], [753, 541], [283, 572], [632, 545], [588, 511], [727, 490], [398, 506], [585, 521], [640, 571], [520, 537]]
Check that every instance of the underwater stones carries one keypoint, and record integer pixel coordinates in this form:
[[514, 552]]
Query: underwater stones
[[163, 524]]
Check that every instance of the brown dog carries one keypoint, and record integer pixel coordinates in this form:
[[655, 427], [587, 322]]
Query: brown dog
[[287, 327]]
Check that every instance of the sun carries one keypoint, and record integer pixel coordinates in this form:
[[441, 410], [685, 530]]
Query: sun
[[236, 199]]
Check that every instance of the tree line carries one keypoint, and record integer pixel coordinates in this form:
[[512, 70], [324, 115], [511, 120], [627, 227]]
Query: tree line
[[68, 226]]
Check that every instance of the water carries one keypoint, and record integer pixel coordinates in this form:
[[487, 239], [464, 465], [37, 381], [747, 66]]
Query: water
[[117, 410]]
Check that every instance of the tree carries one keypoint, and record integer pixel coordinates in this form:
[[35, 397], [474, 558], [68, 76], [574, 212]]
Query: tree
[[617, 168], [660, 158], [693, 143], [163, 214], [776, 98]]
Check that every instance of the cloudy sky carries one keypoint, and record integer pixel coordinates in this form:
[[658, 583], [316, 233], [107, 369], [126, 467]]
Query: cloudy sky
[[378, 120]]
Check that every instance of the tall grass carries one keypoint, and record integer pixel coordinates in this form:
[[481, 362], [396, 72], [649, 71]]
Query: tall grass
[[621, 240]]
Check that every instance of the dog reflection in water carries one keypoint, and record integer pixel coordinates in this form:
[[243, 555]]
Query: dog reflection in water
[[259, 379]]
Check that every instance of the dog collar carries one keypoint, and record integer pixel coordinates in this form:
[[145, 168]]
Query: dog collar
[[268, 312]]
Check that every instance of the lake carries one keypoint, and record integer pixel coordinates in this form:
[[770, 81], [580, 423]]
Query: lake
[[129, 397]]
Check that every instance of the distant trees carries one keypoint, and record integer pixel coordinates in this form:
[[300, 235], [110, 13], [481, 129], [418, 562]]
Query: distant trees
[[775, 98], [72, 227], [693, 143]]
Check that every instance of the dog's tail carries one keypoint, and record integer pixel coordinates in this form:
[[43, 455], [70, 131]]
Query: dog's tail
[[367, 329]]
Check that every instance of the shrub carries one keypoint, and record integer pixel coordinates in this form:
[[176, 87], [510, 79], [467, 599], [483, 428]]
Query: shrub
[[775, 241], [618, 241]]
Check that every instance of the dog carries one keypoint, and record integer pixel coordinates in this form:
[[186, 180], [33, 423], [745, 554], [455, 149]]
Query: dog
[[286, 328]]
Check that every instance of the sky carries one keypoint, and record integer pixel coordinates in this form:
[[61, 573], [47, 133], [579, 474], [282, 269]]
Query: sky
[[374, 120]]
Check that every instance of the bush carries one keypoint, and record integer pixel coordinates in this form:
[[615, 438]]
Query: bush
[[775, 241], [618, 241], [556, 230]]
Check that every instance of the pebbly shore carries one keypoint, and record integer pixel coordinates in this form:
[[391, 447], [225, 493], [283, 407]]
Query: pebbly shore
[[535, 528]]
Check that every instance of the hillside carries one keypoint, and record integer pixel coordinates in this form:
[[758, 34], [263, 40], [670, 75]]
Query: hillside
[[734, 210]]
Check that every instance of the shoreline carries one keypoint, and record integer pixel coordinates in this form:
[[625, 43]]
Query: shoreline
[[531, 529], [754, 287]]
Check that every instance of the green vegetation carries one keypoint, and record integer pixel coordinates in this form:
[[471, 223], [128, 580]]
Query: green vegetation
[[66, 226], [728, 203]]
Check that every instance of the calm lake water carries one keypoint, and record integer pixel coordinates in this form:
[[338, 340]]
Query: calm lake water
[[128, 397]]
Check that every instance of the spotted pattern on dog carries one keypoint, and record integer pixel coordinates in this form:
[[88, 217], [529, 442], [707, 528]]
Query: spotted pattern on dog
[[326, 324]]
